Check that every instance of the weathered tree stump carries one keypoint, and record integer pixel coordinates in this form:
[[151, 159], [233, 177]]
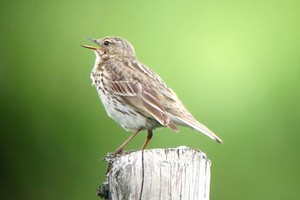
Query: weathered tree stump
[[178, 173]]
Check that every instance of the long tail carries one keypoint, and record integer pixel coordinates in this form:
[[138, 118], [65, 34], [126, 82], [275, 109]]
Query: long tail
[[194, 124]]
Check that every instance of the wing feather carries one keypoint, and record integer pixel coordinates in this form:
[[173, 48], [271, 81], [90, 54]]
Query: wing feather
[[142, 98]]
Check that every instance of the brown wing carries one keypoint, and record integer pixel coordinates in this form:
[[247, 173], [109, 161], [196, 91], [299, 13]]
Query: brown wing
[[142, 98]]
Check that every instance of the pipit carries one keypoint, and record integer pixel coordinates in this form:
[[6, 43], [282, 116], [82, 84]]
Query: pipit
[[133, 95]]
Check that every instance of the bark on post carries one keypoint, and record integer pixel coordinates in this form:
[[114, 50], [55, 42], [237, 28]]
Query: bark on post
[[178, 173]]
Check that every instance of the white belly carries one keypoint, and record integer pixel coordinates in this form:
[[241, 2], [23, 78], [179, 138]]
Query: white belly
[[123, 114]]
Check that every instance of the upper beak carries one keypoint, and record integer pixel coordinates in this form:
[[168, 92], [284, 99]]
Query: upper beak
[[91, 47]]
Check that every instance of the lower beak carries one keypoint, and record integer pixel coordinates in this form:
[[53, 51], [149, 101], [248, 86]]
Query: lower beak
[[89, 47]]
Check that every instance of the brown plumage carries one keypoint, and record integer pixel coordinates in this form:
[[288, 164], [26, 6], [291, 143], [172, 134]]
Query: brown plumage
[[133, 95]]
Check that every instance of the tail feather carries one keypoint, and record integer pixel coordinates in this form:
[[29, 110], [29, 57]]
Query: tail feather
[[194, 124]]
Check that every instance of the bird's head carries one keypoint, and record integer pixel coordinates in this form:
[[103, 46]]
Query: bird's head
[[111, 46]]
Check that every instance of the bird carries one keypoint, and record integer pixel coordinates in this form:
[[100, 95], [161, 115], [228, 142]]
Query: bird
[[133, 95]]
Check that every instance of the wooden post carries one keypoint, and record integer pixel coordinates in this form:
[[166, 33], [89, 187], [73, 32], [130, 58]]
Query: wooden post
[[166, 174]]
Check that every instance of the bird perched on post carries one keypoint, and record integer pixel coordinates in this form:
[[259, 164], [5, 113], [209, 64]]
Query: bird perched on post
[[133, 95]]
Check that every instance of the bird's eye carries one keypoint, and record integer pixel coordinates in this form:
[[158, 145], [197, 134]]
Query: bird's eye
[[106, 43]]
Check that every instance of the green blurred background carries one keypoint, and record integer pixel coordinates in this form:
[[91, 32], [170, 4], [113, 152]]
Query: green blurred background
[[235, 65]]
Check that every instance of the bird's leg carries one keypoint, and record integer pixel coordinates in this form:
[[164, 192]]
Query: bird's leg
[[149, 136], [119, 150]]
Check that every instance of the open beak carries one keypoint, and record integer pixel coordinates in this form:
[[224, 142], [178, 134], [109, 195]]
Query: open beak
[[91, 47]]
